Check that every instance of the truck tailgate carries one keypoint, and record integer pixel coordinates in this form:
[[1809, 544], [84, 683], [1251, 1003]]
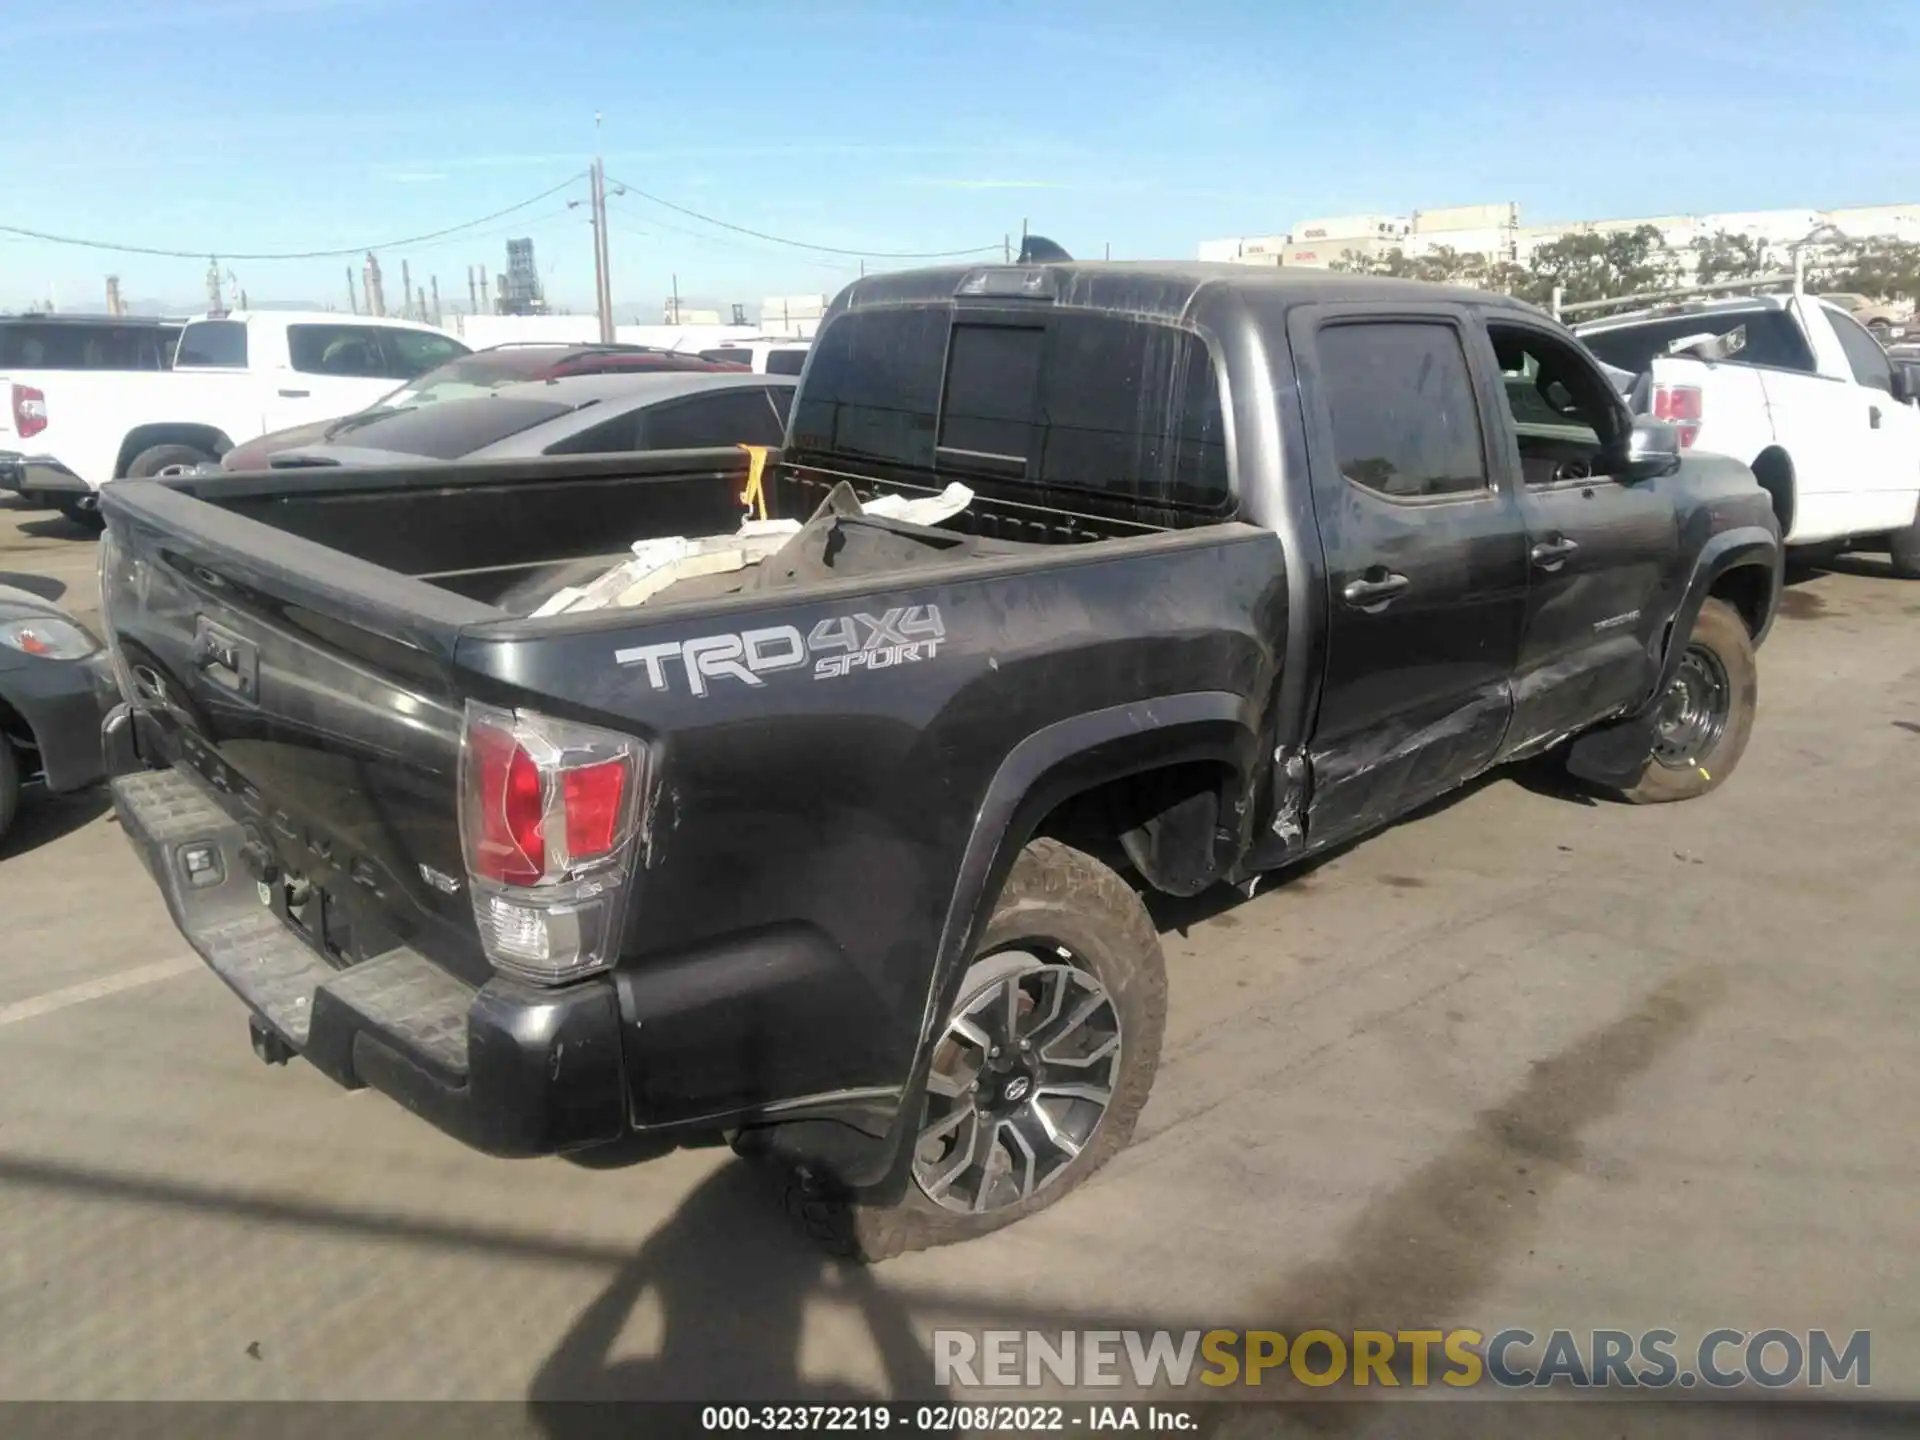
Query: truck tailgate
[[316, 691]]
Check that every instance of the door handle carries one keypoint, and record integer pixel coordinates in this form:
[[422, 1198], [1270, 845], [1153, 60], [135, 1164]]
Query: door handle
[[1550, 554], [1873, 417], [1375, 594], [295, 394]]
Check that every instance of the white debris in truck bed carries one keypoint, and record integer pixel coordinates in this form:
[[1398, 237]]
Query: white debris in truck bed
[[656, 564]]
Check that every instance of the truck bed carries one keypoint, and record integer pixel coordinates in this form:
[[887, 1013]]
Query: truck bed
[[509, 534]]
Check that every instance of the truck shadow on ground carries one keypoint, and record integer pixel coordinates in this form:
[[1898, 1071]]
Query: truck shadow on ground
[[720, 1295], [45, 586], [44, 819], [729, 1285], [57, 527]]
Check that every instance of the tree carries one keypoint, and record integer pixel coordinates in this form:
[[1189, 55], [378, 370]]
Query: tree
[[1726, 256], [1604, 265], [1881, 269]]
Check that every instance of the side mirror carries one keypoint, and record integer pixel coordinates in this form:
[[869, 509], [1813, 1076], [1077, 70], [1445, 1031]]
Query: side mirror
[[1906, 381], [1653, 449]]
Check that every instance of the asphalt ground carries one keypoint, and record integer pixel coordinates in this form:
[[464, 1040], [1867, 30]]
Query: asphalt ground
[[1522, 1060]]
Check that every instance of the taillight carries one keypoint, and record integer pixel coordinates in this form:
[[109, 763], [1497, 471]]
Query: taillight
[[1682, 405], [29, 411], [548, 812]]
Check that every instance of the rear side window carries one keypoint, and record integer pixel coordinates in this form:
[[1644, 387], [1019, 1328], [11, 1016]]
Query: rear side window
[[1761, 337], [1075, 401], [728, 417], [213, 343], [346, 350], [1405, 423], [83, 346], [449, 429], [1865, 358]]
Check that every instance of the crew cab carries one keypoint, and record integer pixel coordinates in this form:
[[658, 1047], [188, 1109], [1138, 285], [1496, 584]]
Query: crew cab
[[1071, 582], [63, 435], [1798, 389]]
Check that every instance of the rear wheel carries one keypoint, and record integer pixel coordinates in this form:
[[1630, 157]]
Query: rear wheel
[[1705, 718], [165, 460], [1041, 1068], [1903, 548], [84, 510]]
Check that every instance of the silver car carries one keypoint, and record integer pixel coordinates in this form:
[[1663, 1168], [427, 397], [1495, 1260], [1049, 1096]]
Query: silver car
[[576, 415]]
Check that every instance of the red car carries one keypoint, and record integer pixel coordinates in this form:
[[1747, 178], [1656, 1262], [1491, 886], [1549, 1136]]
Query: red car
[[477, 374]]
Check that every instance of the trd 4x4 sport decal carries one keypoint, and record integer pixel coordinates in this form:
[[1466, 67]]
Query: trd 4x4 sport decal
[[836, 647]]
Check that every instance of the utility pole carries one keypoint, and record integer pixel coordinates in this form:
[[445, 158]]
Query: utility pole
[[602, 281], [406, 292], [473, 293], [215, 302], [1006, 249], [353, 295], [376, 292], [436, 298], [676, 301], [115, 305]]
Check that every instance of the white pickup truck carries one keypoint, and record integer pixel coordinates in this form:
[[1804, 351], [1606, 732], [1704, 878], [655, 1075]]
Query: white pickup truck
[[64, 434], [1799, 390]]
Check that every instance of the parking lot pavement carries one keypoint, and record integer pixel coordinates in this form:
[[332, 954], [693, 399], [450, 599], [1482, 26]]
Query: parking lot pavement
[[1521, 1060]]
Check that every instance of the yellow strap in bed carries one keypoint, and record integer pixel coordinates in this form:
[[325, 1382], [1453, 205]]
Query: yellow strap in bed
[[752, 497]]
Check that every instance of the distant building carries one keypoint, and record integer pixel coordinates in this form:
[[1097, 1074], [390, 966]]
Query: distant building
[[1495, 232], [519, 292]]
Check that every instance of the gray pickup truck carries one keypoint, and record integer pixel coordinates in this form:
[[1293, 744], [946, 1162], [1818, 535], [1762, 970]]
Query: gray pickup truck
[[842, 852]]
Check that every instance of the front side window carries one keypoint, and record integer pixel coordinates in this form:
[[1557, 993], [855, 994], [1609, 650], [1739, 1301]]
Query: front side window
[[1564, 413], [212, 344], [412, 353], [1865, 358], [343, 350], [1405, 422]]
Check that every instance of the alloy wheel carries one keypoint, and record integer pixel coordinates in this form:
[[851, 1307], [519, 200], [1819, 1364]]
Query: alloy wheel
[[1019, 1082]]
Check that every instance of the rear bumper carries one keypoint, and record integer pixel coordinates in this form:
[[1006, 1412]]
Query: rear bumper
[[41, 478], [506, 1068]]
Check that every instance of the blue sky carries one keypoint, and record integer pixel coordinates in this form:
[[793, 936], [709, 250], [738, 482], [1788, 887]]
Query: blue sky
[[277, 125]]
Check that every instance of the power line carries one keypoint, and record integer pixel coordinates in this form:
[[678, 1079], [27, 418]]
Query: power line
[[286, 255], [836, 267], [803, 244]]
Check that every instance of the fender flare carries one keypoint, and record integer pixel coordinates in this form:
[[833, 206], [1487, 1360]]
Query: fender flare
[[1747, 546], [1050, 765], [1617, 753]]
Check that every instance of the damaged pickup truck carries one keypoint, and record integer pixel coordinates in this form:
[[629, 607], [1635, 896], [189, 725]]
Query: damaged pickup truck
[[557, 804]]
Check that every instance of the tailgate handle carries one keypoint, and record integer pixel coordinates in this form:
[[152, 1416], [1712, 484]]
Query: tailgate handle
[[295, 394], [225, 658]]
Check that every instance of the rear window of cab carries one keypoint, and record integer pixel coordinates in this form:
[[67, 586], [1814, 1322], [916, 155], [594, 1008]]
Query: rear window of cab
[[1060, 399]]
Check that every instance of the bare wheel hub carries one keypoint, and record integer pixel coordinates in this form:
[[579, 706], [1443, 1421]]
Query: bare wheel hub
[[1693, 713], [1019, 1082]]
